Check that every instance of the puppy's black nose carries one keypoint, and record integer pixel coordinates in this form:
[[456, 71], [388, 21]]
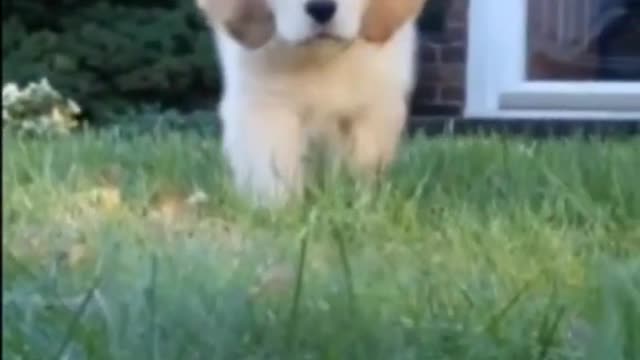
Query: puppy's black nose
[[321, 10]]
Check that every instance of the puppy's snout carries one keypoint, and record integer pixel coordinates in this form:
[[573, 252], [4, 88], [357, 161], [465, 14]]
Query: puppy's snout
[[321, 11]]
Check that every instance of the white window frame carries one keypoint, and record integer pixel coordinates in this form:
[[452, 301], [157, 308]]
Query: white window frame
[[496, 83]]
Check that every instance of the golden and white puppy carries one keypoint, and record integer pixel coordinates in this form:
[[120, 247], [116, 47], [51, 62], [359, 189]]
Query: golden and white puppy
[[297, 70]]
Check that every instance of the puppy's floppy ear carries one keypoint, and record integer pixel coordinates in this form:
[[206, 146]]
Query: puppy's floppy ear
[[384, 17], [250, 22]]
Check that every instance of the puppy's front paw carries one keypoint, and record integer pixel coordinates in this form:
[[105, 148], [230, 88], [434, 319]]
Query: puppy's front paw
[[264, 149]]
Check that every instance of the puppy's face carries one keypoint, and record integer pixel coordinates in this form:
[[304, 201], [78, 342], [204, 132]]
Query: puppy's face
[[306, 22]]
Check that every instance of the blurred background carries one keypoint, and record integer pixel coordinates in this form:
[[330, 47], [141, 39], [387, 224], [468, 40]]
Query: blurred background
[[115, 55], [120, 54]]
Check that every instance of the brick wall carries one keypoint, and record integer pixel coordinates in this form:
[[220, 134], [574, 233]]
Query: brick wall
[[441, 65]]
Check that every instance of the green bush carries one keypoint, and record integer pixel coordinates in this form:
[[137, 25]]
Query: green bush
[[109, 54]]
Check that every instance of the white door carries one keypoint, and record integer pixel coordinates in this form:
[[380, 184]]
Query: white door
[[554, 59]]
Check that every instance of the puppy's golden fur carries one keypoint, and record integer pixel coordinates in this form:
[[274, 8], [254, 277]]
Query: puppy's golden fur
[[288, 80]]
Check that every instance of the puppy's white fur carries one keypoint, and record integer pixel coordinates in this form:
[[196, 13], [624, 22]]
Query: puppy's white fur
[[278, 96]]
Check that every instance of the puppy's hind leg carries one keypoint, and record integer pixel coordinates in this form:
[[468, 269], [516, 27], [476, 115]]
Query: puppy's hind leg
[[264, 147]]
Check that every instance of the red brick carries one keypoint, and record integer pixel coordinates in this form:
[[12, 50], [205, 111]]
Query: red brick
[[453, 54], [429, 53], [427, 92], [443, 74], [429, 73], [452, 94], [456, 35], [441, 67], [459, 5], [458, 11], [448, 73]]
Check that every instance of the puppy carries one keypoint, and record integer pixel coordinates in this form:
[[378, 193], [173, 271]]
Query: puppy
[[295, 71]]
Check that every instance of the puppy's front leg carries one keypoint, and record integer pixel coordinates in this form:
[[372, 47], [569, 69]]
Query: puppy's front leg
[[374, 136], [264, 146]]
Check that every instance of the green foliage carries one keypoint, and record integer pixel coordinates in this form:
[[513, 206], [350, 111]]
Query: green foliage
[[37, 109], [616, 311], [471, 249], [112, 53]]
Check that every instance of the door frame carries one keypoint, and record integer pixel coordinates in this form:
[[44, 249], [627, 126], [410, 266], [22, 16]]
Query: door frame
[[496, 84]]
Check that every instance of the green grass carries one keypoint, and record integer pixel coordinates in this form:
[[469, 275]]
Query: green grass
[[477, 248]]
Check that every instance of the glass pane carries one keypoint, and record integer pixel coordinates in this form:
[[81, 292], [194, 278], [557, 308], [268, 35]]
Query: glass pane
[[583, 40]]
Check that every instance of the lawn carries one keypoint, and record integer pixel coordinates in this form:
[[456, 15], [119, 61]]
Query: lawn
[[121, 246]]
